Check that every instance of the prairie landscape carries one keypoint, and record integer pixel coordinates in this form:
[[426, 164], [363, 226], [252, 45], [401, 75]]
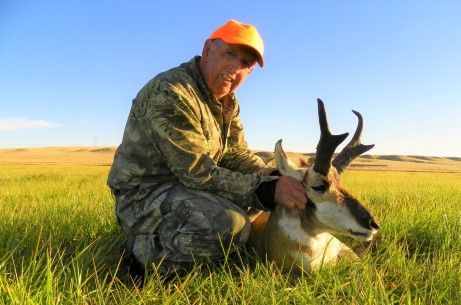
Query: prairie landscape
[[102, 156], [60, 242]]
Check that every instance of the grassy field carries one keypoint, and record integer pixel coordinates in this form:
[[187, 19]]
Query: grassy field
[[59, 244]]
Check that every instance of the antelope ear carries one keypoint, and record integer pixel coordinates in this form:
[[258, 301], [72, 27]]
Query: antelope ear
[[285, 166]]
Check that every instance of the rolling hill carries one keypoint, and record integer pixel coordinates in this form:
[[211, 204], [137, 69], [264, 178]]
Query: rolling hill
[[103, 156]]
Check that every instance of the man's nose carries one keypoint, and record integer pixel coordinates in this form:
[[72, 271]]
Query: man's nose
[[236, 66]]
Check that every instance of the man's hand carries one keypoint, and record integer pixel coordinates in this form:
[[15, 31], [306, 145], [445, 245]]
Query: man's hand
[[290, 192]]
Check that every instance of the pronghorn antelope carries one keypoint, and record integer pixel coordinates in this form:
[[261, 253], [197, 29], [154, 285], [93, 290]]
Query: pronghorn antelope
[[301, 240]]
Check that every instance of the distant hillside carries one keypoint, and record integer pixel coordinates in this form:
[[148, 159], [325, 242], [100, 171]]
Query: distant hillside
[[103, 156], [385, 162], [59, 155]]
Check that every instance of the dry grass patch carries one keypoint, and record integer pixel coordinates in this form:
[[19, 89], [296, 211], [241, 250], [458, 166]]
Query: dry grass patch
[[104, 156], [58, 156]]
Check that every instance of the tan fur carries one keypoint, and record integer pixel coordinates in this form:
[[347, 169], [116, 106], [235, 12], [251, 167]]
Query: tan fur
[[276, 245], [300, 240]]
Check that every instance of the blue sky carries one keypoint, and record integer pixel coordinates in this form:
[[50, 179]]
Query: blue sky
[[70, 69]]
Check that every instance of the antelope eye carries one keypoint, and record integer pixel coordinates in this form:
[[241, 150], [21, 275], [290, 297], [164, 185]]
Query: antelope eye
[[320, 189]]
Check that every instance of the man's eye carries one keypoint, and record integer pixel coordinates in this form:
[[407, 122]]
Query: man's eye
[[246, 63]]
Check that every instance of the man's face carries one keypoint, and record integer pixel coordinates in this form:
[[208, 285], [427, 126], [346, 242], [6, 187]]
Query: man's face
[[225, 66]]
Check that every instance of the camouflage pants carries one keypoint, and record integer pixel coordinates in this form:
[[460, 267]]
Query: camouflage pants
[[176, 225]]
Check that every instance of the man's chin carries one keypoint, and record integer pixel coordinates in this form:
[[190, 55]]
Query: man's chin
[[221, 93]]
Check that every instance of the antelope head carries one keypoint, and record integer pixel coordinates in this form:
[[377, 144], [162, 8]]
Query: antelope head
[[330, 207]]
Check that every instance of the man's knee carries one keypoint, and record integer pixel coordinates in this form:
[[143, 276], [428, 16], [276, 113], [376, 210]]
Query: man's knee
[[202, 227], [197, 219], [194, 225], [240, 228]]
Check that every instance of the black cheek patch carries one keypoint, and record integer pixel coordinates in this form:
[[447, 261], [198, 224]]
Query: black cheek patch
[[362, 216]]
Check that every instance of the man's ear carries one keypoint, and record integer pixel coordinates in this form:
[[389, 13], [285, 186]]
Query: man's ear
[[206, 49]]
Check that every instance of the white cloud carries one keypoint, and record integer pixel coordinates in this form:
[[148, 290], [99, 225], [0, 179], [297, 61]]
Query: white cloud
[[17, 124]]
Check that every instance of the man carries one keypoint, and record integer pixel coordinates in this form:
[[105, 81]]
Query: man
[[186, 184]]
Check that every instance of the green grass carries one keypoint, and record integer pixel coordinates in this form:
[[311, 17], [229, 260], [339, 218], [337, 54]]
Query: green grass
[[59, 244]]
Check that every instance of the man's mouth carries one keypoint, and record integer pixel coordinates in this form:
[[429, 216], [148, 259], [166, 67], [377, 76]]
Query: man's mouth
[[227, 78], [364, 236]]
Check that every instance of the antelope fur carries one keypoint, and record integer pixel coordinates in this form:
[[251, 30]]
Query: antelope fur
[[301, 240]]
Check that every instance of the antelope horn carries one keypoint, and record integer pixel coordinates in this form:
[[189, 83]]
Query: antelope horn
[[327, 143], [353, 149]]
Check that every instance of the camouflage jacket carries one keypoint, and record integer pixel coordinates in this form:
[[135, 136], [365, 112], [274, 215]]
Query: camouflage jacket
[[178, 131]]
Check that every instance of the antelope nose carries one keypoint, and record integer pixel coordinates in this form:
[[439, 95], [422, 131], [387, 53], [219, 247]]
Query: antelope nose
[[373, 224]]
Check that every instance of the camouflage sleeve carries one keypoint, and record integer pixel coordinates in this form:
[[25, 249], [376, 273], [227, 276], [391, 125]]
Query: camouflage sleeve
[[171, 119], [238, 157]]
